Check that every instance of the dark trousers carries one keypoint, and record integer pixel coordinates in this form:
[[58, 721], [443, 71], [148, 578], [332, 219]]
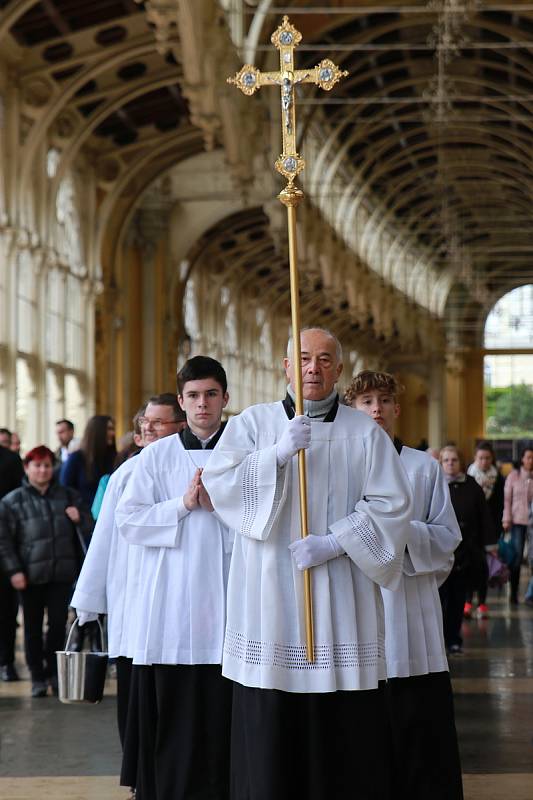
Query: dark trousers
[[41, 651], [479, 584], [9, 604], [518, 538], [426, 764], [452, 598]]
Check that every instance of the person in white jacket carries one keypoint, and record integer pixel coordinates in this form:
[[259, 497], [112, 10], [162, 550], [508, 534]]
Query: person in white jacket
[[109, 580], [419, 693]]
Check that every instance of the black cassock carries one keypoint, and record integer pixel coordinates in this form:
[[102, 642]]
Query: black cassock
[[320, 746]]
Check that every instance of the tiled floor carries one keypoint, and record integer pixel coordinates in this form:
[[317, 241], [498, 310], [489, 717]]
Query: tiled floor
[[59, 752]]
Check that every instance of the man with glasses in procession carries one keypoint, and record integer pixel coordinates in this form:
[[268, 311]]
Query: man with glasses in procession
[[108, 581]]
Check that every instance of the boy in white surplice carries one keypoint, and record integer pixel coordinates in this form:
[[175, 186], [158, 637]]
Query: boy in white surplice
[[419, 692], [302, 729], [178, 618]]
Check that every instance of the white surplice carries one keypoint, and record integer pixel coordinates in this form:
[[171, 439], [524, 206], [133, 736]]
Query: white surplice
[[414, 641], [358, 490], [180, 611], [108, 580]]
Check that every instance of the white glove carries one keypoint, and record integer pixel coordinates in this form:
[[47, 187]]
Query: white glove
[[296, 436], [86, 616], [315, 550]]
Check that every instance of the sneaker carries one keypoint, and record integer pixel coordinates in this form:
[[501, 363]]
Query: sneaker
[[455, 650], [483, 611], [38, 689], [8, 673], [467, 611]]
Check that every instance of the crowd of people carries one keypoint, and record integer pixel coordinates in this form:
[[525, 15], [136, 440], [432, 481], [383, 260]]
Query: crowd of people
[[188, 540]]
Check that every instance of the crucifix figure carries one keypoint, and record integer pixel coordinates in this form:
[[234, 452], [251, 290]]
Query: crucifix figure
[[249, 79]]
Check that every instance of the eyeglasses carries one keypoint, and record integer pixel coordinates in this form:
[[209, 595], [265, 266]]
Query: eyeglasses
[[157, 424]]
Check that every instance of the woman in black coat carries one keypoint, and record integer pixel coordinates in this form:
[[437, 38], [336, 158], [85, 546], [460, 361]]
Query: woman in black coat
[[41, 553], [474, 519], [486, 474]]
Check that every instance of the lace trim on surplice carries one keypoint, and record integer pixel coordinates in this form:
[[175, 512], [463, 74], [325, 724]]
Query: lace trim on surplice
[[362, 528], [293, 657]]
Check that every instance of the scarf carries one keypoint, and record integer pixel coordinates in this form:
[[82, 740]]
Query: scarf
[[487, 480]]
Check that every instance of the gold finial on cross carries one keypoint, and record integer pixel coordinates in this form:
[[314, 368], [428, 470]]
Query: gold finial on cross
[[249, 79]]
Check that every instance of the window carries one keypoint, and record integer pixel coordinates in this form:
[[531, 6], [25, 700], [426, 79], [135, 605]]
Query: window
[[509, 375], [26, 304]]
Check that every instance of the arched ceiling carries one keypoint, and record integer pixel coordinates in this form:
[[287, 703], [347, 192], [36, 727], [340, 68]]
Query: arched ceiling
[[430, 133], [241, 252], [436, 120]]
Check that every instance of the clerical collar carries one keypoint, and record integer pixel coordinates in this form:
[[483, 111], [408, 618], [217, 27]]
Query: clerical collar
[[192, 442], [324, 410]]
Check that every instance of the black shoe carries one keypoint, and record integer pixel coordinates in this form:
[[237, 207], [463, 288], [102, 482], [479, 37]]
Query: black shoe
[[513, 600], [38, 689], [8, 673]]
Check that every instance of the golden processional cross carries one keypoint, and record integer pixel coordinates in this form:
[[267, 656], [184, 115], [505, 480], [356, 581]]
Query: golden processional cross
[[249, 79]]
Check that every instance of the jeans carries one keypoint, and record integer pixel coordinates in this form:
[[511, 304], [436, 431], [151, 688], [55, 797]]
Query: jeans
[[518, 538], [529, 590], [41, 652]]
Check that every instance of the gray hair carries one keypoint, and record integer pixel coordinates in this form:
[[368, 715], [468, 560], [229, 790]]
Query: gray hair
[[338, 346]]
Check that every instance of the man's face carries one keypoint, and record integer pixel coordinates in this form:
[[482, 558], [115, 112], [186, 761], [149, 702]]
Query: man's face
[[320, 366], [5, 440], [381, 407], [156, 423], [483, 460], [15, 443], [203, 402], [64, 434], [450, 463]]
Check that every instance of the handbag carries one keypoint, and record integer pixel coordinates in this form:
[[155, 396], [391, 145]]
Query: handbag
[[498, 572], [506, 550]]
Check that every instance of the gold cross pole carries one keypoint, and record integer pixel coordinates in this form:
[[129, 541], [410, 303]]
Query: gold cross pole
[[249, 79]]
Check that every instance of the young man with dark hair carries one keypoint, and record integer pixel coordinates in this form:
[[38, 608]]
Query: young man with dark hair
[[65, 435], [426, 758], [177, 622]]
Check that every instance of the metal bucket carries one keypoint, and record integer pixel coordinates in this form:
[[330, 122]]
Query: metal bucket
[[81, 676]]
